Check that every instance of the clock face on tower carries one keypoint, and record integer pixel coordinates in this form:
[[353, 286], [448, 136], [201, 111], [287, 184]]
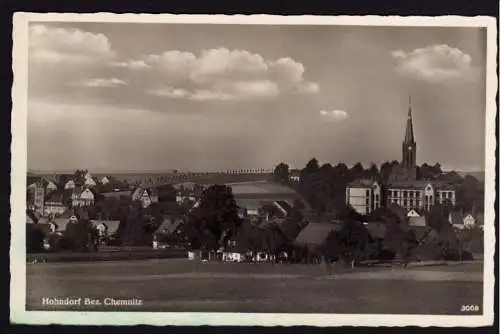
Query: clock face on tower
[[409, 148]]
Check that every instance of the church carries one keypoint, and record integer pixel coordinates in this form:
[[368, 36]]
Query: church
[[403, 186]]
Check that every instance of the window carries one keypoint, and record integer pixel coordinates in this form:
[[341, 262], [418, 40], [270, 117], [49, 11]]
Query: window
[[377, 197], [404, 193], [367, 201], [418, 203], [367, 192]]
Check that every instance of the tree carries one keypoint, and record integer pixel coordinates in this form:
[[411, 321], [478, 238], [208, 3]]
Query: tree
[[354, 241], [216, 217], [438, 215], [166, 193], [34, 238], [80, 236], [385, 171], [372, 172], [281, 173], [357, 171], [312, 167]]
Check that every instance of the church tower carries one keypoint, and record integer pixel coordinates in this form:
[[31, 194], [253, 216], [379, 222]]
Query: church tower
[[409, 145]]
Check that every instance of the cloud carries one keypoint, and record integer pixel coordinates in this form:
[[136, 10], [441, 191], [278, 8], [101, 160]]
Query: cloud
[[223, 91], [98, 82], [172, 92], [435, 63], [132, 64], [223, 74], [334, 115], [56, 45]]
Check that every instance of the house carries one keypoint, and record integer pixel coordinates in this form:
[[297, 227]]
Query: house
[[363, 195], [167, 233], [105, 180], [82, 197], [250, 206], [106, 228], [54, 204], [314, 235], [70, 184], [295, 175], [39, 197], [145, 195], [60, 224], [90, 182], [285, 208], [417, 221], [412, 213], [469, 221], [51, 186], [180, 199]]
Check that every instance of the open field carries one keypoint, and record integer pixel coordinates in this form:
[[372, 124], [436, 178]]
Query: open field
[[189, 286]]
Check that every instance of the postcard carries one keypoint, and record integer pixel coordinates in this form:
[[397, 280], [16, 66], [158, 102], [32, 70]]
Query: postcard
[[253, 170]]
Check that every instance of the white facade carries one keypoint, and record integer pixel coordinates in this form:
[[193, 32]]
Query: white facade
[[445, 195], [364, 198], [69, 185], [104, 180], [54, 208], [421, 197], [84, 198], [469, 221], [51, 186], [89, 182], [412, 213]]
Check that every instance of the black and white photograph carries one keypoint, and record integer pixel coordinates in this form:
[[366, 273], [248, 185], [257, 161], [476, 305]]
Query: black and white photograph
[[199, 169]]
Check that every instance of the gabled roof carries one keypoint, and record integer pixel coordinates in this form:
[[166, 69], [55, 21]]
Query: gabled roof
[[285, 206], [112, 225], [315, 234], [362, 183], [117, 194], [409, 184], [168, 226], [290, 229]]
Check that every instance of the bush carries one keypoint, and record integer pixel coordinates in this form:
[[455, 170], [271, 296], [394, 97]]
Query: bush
[[34, 239]]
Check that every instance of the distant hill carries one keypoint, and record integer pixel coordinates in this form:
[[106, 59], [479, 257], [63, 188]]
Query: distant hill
[[477, 174]]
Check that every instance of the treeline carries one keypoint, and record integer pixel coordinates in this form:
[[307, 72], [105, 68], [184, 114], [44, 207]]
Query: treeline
[[324, 186]]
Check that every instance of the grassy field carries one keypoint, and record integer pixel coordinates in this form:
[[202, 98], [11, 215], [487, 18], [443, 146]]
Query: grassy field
[[189, 286]]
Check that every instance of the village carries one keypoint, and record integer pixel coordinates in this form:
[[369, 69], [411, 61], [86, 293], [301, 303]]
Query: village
[[397, 211]]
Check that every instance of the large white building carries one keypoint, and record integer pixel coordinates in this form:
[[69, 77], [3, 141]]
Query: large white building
[[364, 196]]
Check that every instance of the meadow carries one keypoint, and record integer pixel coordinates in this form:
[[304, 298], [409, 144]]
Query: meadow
[[180, 285]]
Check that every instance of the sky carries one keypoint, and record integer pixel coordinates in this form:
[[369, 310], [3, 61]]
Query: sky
[[208, 97]]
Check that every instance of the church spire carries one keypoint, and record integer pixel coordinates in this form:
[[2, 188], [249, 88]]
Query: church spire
[[409, 138]]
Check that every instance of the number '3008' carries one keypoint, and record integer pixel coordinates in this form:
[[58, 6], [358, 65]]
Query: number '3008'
[[469, 308]]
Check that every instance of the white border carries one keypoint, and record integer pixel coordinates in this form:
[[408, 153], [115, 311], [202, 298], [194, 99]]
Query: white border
[[18, 314]]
